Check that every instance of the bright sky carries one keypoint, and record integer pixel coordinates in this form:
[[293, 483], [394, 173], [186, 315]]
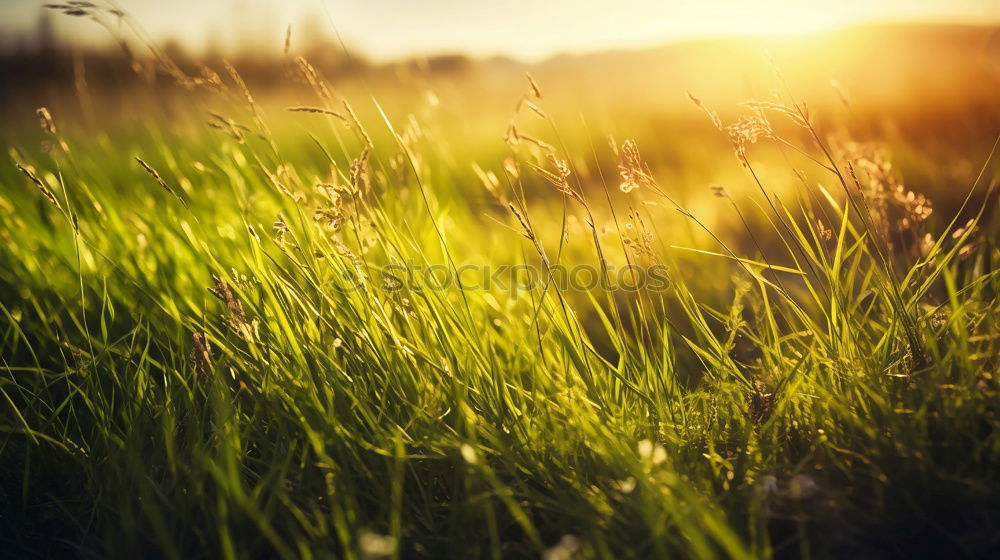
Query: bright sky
[[532, 29]]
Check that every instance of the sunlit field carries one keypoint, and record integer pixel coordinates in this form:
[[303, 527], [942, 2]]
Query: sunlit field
[[727, 298]]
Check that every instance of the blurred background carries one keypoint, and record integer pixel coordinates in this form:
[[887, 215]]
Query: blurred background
[[920, 77]]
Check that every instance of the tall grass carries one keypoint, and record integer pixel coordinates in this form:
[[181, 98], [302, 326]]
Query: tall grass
[[203, 354]]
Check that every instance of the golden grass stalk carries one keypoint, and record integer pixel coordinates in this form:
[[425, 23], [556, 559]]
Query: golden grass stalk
[[793, 114], [712, 115], [533, 85], [318, 111], [48, 194], [149, 169]]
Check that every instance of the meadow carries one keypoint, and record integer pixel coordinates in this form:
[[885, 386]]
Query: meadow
[[425, 315]]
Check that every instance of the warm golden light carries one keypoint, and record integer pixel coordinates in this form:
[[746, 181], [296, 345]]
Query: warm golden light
[[384, 29], [506, 279]]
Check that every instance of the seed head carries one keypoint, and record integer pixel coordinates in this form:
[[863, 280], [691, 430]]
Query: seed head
[[631, 169], [533, 90], [200, 353], [712, 115], [41, 186], [45, 120]]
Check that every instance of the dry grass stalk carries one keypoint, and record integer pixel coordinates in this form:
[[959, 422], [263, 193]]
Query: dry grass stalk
[[491, 182], [357, 124], [317, 110], [529, 234], [840, 93], [534, 91], [329, 217], [360, 178], [633, 171], [896, 208], [240, 83], [312, 77], [526, 230], [279, 178], [535, 109], [637, 237], [511, 137], [525, 100], [824, 232], [45, 120], [511, 169], [47, 124], [258, 118], [200, 353], [760, 403], [49, 195], [149, 169], [234, 129], [712, 115], [792, 113], [236, 317], [75, 9], [540, 143], [210, 79], [748, 130], [559, 178], [280, 229]]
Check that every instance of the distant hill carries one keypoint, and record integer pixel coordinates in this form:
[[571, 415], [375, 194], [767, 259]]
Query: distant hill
[[876, 66], [873, 64]]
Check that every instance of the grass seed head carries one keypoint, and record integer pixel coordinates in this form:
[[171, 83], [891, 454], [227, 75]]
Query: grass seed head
[[824, 232], [317, 110], [633, 172], [748, 130], [760, 403], [533, 89], [200, 353], [45, 120], [712, 115], [792, 113], [360, 177], [149, 169], [48, 194]]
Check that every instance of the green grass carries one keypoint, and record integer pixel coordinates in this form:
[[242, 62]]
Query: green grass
[[810, 397]]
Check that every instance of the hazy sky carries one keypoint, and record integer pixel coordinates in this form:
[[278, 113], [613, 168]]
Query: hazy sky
[[385, 29]]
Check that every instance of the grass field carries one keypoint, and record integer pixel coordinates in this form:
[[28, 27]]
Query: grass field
[[310, 326]]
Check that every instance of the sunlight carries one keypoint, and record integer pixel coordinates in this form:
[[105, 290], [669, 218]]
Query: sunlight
[[506, 279]]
